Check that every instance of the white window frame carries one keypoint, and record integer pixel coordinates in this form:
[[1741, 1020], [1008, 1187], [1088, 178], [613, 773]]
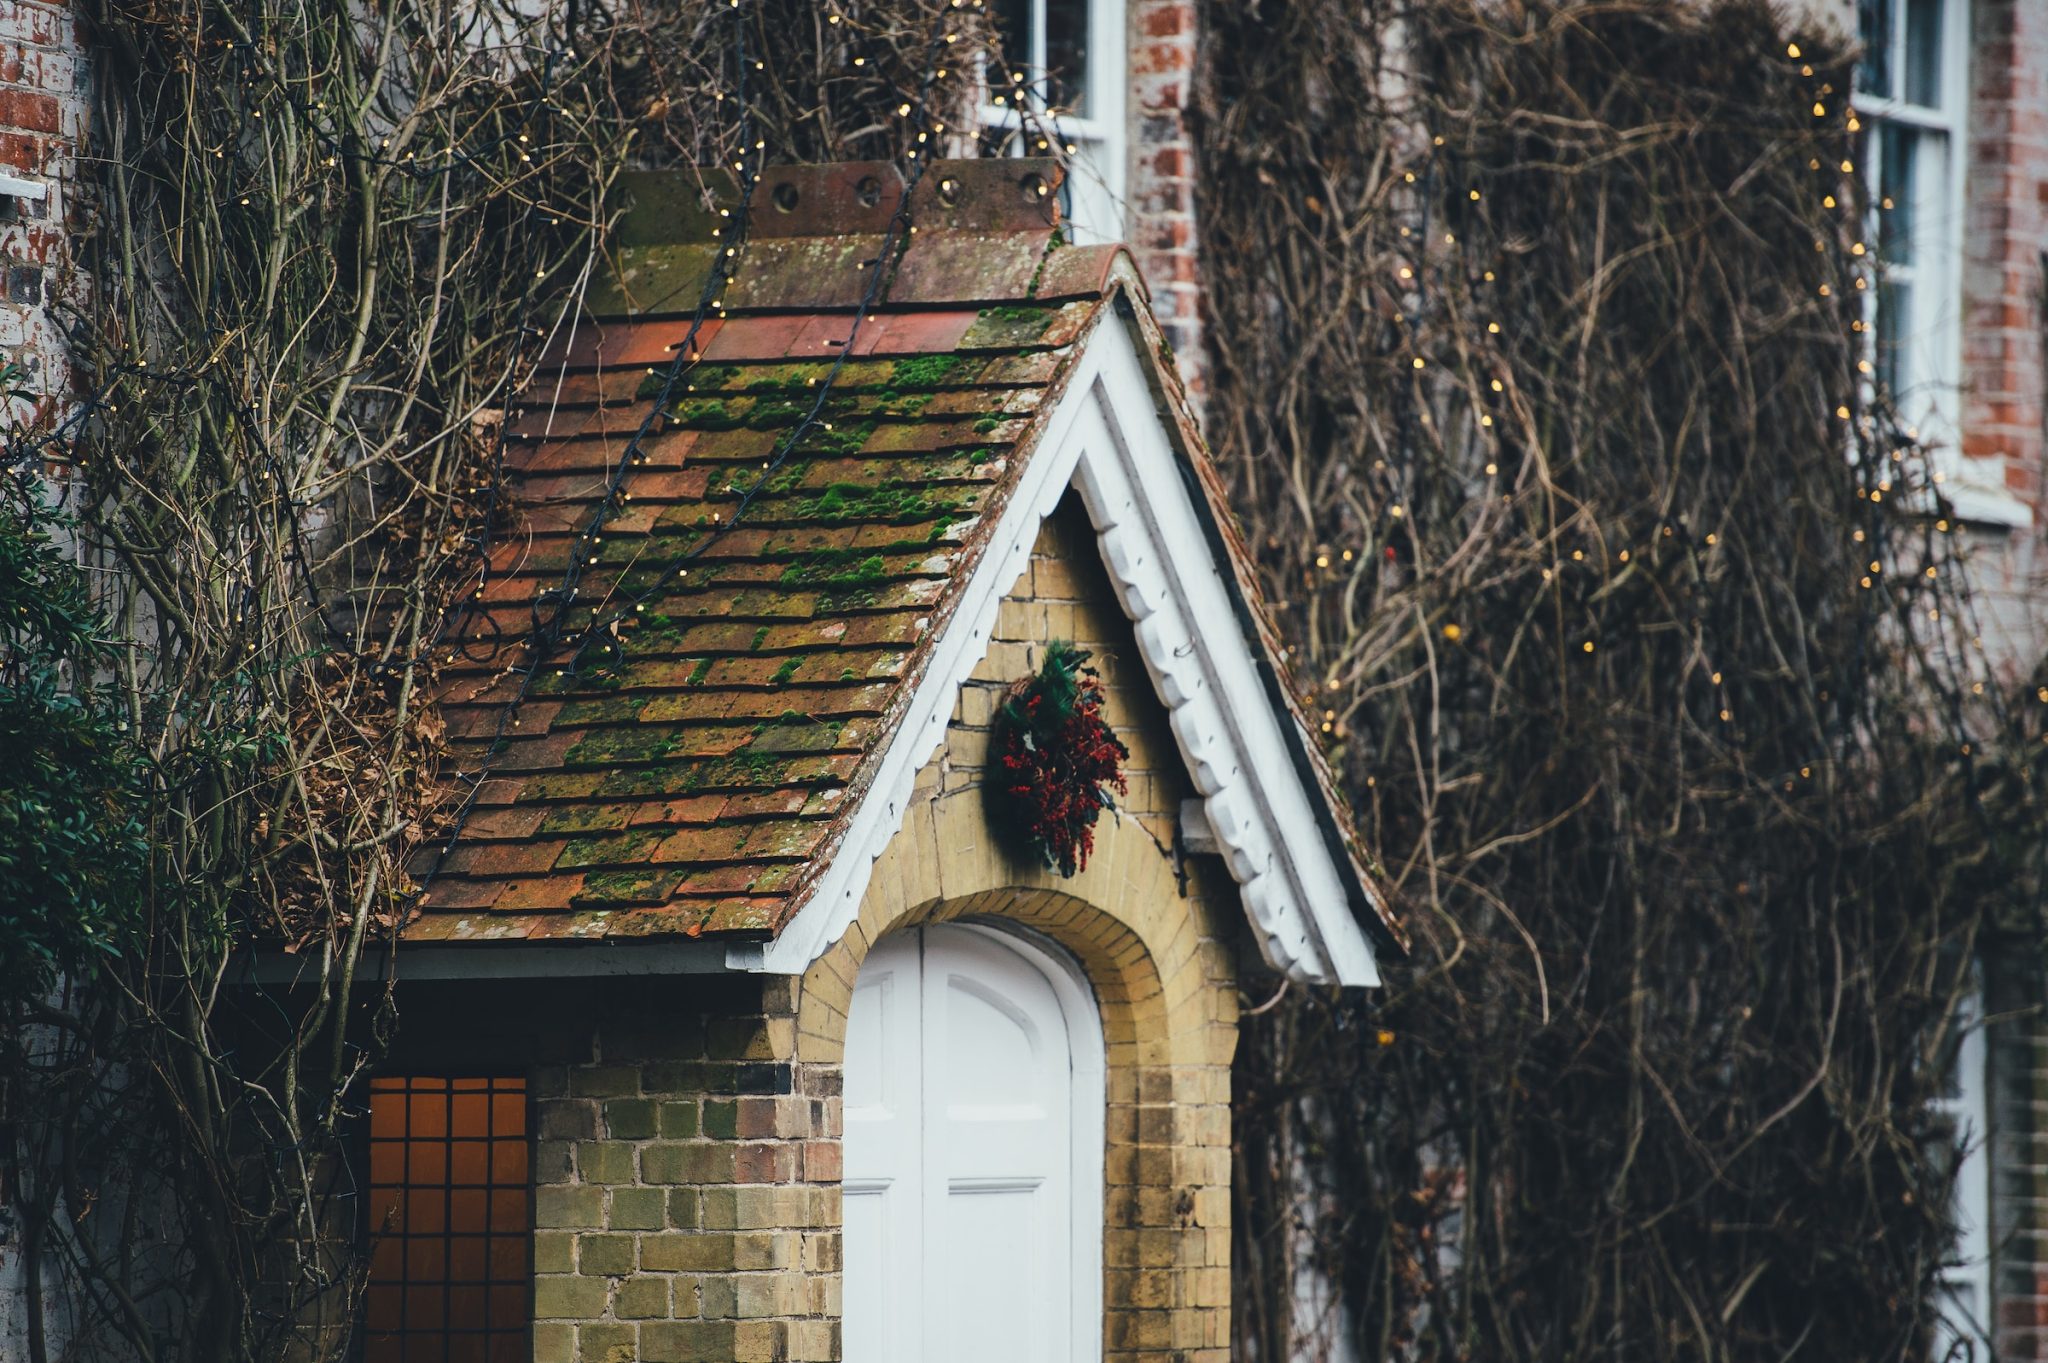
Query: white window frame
[[1930, 407], [1963, 1330], [1098, 165]]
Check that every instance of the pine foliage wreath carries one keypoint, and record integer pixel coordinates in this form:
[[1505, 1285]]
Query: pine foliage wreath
[[1056, 760]]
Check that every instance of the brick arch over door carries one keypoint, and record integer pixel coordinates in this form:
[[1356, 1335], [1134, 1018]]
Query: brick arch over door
[[1166, 987]]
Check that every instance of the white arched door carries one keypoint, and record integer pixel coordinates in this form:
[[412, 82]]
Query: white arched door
[[974, 1111]]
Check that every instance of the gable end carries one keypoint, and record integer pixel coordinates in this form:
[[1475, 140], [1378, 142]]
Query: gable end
[[1106, 438]]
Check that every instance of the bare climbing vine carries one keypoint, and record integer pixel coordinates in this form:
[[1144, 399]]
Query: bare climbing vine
[[328, 245], [1643, 638]]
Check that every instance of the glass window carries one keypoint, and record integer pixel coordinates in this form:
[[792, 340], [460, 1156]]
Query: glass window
[[450, 1222], [1910, 94], [1062, 77]]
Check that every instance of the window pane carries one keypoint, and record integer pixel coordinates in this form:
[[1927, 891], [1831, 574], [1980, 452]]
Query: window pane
[[471, 1115], [1894, 328], [1066, 56], [1898, 194], [1013, 27], [1923, 52], [1874, 27], [466, 1308]]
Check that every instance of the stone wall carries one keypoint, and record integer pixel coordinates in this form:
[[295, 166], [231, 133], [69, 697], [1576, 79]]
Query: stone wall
[[686, 1201]]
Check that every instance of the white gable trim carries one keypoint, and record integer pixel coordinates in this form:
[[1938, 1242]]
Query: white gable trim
[[1106, 438]]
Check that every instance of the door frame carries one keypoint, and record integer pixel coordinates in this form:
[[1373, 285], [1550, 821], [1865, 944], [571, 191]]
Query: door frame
[[1088, 1110]]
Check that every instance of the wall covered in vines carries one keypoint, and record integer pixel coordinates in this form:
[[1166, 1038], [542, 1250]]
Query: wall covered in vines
[[1643, 640], [327, 244]]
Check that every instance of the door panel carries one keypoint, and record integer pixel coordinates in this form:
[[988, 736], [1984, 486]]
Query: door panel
[[961, 1215], [884, 1154], [993, 1280]]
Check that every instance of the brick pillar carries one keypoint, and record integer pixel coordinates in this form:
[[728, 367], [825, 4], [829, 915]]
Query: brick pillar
[[42, 121], [2005, 377], [1162, 176]]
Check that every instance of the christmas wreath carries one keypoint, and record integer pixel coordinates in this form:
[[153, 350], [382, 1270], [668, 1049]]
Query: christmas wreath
[[1056, 759]]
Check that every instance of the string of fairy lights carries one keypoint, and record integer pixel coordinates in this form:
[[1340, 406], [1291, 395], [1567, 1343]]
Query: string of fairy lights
[[100, 407], [550, 613], [548, 635], [549, 609], [1884, 454]]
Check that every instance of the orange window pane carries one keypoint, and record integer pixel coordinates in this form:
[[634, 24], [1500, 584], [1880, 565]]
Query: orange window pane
[[426, 1259], [469, 1210], [426, 1211], [387, 1118], [466, 1308], [387, 1210], [423, 1307], [508, 1161], [426, 1162], [508, 1206], [508, 1308], [466, 1258], [385, 1308], [469, 1163], [508, 1259], [429, 1116], [470, 1115], [387, 1161]]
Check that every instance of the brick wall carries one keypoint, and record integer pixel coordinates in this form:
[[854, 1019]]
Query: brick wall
[[1161, 182], [42, 117], [42, 124], [687, 1198], [2005, 315], [2005, 419]]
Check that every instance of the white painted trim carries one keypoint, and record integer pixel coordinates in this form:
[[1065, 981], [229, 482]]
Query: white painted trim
[[14, 187], [1963, 1291], [1088, 1112], [1106, 438]]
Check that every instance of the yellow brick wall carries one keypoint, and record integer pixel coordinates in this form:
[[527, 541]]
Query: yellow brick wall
[[689, 1206]]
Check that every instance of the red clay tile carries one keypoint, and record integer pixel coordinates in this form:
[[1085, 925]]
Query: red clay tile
[[755, 338], [914, 333]]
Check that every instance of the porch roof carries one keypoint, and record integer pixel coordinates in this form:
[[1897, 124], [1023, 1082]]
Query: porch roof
[[743, 616]]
